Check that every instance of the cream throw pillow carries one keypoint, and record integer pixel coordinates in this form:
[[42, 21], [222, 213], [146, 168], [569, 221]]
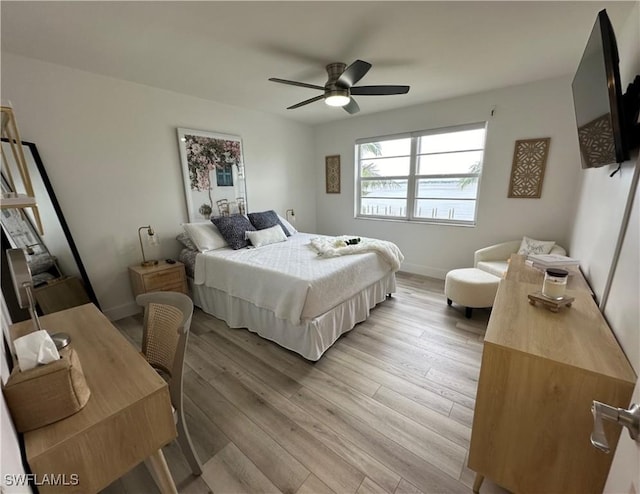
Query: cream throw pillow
[[266, 236], [205, 235], [532, 246]]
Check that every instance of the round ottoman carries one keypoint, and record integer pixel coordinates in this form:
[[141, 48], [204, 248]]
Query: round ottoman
[[471, 287]]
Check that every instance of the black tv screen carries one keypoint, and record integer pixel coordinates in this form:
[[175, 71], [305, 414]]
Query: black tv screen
[[597, 99]]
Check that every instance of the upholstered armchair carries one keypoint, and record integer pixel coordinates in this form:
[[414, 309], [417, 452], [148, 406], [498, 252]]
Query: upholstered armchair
[[493, 259]]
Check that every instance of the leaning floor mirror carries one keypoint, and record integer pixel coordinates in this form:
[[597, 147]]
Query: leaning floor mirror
[[60, 280]]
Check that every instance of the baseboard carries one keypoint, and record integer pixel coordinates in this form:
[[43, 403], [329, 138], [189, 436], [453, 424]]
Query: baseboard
[[121, 311], [437, 273]]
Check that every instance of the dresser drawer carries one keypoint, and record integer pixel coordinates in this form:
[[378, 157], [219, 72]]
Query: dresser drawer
[[163, 279]]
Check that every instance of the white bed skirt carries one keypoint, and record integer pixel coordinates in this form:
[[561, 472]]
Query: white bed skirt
[[311, 337]]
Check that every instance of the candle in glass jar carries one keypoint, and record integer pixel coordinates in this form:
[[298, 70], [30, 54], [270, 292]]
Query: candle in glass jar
[[555, 283]]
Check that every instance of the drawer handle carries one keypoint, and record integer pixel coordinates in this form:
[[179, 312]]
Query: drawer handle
[[628, 418]]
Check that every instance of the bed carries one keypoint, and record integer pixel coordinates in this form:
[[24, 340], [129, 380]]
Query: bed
[[287, 293]]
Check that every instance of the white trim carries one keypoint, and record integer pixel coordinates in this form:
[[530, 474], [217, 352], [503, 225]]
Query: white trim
[[122, 311]]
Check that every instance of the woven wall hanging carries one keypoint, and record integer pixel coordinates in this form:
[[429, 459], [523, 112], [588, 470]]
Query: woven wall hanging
[[332, 174], [527, 169]]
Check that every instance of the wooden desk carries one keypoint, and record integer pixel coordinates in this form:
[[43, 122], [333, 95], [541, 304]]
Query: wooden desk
[[540, 373], [128, 417]]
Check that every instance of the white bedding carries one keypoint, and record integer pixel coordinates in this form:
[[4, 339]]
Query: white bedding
[[289, 278], [311, 338], [337, 246]]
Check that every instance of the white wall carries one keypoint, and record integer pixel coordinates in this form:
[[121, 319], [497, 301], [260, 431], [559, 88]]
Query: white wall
[[110, 149], [540, 109], [600, 220], [599, 233]]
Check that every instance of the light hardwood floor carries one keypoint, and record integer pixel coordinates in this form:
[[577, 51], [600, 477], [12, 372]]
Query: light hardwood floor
[[388, 408]]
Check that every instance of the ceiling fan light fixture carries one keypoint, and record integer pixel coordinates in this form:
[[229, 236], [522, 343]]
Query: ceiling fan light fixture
[[337, 98]]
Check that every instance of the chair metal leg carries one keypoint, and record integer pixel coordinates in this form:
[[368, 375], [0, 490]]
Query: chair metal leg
[[184, 440], [467, 312]]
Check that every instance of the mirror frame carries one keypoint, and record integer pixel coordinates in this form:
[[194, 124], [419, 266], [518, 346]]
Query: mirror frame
[[61, 219]]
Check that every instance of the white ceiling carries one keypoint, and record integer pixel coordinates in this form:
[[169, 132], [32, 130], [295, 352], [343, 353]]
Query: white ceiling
[[226, 51]]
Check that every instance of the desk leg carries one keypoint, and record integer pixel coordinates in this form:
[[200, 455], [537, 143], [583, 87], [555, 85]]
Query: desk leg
[[161, 473], [477, 483]]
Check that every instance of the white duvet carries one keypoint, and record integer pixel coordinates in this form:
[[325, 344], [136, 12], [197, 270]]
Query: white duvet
[[290, 278]]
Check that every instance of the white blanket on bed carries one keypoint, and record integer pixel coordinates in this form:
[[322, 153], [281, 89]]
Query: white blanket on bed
[[336, 246], [289, 278]]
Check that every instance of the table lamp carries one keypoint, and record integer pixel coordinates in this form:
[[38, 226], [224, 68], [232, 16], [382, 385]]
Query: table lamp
[[152, 238]]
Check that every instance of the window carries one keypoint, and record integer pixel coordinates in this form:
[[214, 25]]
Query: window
[[429, 176], [224, 176]]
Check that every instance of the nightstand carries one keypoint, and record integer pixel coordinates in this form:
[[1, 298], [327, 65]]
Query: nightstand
[[163, 277]]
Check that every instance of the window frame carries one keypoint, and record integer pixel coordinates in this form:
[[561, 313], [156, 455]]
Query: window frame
[[224, 176], [412, 178]]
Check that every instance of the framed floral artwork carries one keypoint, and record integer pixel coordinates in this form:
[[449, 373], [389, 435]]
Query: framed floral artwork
[[332, 173], [213, 174]]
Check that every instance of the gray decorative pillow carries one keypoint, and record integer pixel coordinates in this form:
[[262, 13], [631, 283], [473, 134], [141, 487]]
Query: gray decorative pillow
[[232, 229], [267, 219], [185, 240]]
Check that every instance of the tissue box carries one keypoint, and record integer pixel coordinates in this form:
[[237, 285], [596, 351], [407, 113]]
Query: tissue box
[[47, 393]]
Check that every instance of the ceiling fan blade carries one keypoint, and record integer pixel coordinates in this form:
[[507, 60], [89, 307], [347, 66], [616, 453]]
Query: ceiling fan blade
[[353, 73], [379, 90], [352, 107], [295, 83], [306, 102]]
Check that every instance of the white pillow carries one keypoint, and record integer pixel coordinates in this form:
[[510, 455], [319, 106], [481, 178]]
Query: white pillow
[[205, 235], [531, 246], [266, 236], [290, 228]]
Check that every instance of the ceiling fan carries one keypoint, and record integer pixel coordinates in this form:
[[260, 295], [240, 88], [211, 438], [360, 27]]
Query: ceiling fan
[[339, 89]]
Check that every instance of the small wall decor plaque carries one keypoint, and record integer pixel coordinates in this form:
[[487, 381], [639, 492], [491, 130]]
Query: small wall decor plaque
[[527, 169], [332, 173]]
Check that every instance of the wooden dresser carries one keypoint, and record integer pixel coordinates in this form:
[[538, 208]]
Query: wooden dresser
[[161, 277], [540, 373]]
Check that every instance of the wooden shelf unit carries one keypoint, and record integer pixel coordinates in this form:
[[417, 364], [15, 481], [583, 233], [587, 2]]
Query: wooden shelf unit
[[9, 131], [161, 277], [540, 373]]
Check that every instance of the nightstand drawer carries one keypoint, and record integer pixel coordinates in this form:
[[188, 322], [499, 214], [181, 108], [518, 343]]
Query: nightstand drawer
[[162, 279], [176, 287]]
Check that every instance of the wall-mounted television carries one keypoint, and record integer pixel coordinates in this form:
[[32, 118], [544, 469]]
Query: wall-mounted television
[[597, 98]]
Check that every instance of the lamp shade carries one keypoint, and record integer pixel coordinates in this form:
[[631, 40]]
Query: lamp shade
[[152, 239]]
